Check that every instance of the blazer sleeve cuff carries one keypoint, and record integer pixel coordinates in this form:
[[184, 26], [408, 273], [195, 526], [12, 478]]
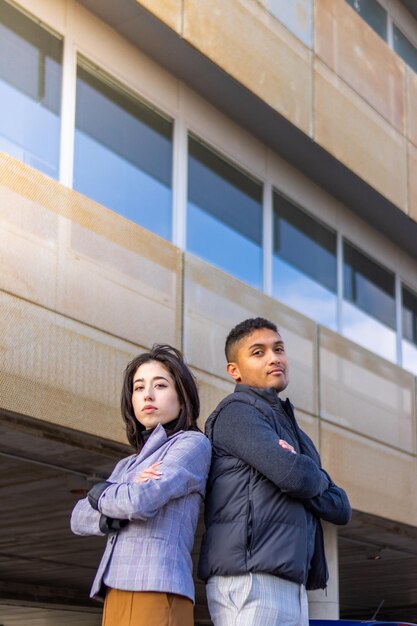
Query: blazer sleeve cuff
[[95, 492], [109, 525]]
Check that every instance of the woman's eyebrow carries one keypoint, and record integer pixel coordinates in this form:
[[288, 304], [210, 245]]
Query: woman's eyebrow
[[142, 380]]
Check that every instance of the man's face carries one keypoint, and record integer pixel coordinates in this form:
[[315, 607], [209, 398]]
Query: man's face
[[259, 360]]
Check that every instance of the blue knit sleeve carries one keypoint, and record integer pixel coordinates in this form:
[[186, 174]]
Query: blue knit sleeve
[[244, 432], [332, 505]]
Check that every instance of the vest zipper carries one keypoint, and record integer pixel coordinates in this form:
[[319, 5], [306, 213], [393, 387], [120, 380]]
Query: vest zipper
[[249, 530], [249, 535]]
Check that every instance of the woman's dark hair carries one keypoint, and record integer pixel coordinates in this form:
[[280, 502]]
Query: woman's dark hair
[[185, 385]]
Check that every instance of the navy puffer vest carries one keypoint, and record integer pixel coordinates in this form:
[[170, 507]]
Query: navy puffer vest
[[251, 526]]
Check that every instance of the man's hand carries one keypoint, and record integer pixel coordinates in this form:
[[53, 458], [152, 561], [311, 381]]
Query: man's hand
[[150, 473], [286, 446]]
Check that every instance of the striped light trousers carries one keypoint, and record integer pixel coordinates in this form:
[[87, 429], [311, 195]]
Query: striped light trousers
[[256, 600]]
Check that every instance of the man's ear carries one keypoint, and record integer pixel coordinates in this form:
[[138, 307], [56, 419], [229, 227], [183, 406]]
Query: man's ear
[[233, 371]]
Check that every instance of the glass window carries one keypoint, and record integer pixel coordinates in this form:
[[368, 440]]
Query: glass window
[[409, 346], [304, 263], [405, 49], [369, 303], [373, 13], [30, 91], [123, 153], [296, 15], [224, 214]]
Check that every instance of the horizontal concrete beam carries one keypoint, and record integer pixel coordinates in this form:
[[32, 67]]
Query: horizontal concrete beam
[[411, 6]]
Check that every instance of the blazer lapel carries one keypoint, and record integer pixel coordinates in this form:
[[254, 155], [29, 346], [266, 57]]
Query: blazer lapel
[[158, 439], [155, 441]]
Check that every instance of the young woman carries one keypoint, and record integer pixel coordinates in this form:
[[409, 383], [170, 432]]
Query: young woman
[[149, 506]]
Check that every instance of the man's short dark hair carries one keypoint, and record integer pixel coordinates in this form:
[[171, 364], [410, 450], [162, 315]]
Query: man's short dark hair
[[244, 329]]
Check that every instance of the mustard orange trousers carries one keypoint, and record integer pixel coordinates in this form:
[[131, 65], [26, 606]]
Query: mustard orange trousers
[[146, 608]]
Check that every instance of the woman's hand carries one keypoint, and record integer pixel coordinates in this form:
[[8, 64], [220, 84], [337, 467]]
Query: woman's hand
[[287, 446], [150, 473]]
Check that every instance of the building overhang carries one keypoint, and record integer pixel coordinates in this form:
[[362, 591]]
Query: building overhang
[[411, 6], [178, 57]]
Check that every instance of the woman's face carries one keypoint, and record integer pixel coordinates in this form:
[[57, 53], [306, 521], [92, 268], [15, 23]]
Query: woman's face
[[154, 397]]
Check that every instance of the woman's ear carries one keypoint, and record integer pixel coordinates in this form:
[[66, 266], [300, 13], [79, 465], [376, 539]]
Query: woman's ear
[[233, 371]]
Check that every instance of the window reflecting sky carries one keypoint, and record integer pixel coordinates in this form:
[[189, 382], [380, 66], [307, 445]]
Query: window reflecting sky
[[368, 314], [405, 49], [304, 263], [296, 15], [368, 285], [224, 215], [409, 344], [368, 332], [30, 91], [409, 356], [409, 299], [123, 154]]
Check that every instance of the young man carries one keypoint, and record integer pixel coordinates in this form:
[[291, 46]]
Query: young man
[[263, 545]]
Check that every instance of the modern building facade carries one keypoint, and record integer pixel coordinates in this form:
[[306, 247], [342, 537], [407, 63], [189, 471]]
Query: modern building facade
[[167, 169]]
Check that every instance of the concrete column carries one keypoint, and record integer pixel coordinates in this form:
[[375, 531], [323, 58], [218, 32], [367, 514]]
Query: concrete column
[[325, 604]]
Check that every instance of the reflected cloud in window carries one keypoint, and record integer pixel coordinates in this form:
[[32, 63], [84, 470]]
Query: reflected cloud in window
[[296, 15], [30, 91], [368, 315], [123, 153], [409, 343], [224, 214], [304, 263]]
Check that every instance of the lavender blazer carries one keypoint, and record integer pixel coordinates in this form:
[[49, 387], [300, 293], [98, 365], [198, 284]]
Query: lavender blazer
[[153, 552]]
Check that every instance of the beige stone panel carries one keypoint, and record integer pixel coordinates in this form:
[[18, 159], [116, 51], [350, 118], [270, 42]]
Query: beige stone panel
[[365, 393], [99, 249], [215, 301], [345, 42], [35, 187], [25, 189], [242, 38], [121, 291], [168, 11], [412, 181], [296, 15], [378, 479], [109, 303], [350, 130], [22, 215], [28, 248], [310, 425], [60, 371], [27, 268], [211, 390], [411, 105]]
